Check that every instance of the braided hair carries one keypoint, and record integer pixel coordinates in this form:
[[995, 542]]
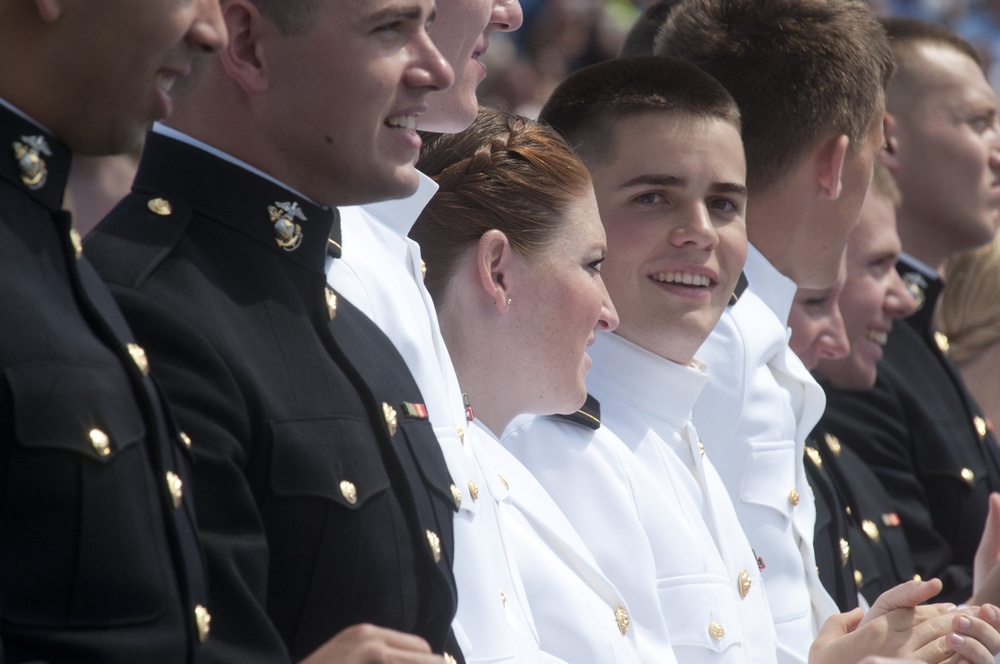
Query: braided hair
[[504, 172]]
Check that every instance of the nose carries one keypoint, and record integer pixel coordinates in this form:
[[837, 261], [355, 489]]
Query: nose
[[698, 231], [899, 302], [506, 16], [428, 69], [608, 321], [833, 343], [208, 31]]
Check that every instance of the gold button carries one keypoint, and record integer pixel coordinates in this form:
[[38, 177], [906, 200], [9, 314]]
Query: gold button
[[74, 238], [204, 621], [435, 543], [456, 494], [980, 425], [623, 620], [503, 480], [716, 631], [968, 476], [744, 583], [185, 439], [793, 497], [845, 551], [503, 598], [859, 578], [160, 206], [176, 488], [101, 442], [833, 443], [461, 435], [139, 357], [870, 529], [473, 490], [349, 491], [389, 413], [917, 577], [814, 456], [448, 659], [701, 448], [941, 340], [423, 269], [331, 303]]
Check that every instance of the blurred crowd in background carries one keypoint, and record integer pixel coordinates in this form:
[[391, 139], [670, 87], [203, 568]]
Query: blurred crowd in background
[[560, 36], [557, 37]]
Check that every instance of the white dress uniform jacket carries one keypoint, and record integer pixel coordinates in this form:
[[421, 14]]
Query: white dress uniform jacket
[[753, 416], [380, 272], [652, 509]]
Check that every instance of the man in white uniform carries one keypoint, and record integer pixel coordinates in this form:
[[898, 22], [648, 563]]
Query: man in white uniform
[[505, 520], [811, 97], [662, 141]]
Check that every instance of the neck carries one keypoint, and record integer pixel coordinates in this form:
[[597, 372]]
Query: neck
[[920, 241], [478, 348], [776, 227]]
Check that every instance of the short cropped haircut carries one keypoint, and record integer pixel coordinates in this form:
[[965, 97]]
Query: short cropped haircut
[[800, 70], [642, 35], [905, 36], [588, 105], [293, 17], [504, 172]]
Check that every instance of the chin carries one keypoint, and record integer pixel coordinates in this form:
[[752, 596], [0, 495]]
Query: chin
[[449, 116]]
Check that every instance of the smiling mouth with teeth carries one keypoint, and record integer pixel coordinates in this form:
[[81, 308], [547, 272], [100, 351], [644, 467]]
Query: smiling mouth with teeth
[[685, 278], [403, 122], [878, 337]]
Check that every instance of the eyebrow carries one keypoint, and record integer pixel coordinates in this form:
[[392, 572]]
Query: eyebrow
[[411, 13], [664, 180]]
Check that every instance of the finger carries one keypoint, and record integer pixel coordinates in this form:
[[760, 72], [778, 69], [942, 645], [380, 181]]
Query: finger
[[904, 596], [833, 628], [988, 552], [975, 629]]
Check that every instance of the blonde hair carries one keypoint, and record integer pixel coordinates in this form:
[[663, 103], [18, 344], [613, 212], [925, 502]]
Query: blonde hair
[[969, 310]]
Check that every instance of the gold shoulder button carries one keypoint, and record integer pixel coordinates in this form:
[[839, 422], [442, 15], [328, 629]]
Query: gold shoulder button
[[100, 441], [160, 206], [623, 620], [203, 620]]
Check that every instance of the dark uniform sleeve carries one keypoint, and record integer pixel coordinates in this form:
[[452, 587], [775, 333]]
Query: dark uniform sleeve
[[875, 425], [206, 399]]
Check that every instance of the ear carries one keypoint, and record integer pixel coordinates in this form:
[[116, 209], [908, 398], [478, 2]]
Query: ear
[[494, 259], [243, 55], [888, 157], [830, 166], [49, 10]]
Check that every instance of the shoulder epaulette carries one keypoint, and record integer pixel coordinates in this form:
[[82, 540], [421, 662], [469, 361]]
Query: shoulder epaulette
[[135, 236], [741, 285], [588, 416]]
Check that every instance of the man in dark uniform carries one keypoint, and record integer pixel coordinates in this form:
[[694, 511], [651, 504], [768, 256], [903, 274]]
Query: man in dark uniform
[[918, 429], [323, 499], [860, 546], [97, 538]]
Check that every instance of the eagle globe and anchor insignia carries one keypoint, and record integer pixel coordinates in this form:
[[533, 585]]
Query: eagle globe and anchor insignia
[[28, 153], [287, 233]]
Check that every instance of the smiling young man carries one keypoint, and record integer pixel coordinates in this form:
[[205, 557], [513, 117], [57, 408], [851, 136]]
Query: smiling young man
[[323, 500], [99, 563], [629, 472], [812, 101], [915, 424]]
